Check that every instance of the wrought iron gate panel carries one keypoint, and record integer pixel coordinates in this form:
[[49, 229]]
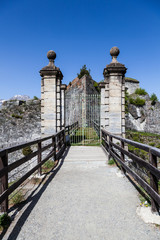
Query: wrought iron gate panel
[[86, 110]]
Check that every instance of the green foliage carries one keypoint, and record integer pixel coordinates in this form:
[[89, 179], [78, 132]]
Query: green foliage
[[137, 102], [96, 86], [17, 197], [83, 71], [140, 91], [26, 151], [111, 161], [153, 98], [158, 145], [5, 220], [152, 144], [35, 98], [48, 165], [17, 116]]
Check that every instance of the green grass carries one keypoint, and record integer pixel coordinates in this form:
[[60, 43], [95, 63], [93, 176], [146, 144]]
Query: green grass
[[16, 197], [111, 161], [47, 166], [85, 136]]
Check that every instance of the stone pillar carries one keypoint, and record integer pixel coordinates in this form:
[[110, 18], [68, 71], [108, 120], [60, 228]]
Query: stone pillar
[[50, 97], [113, 96], [63, 89]]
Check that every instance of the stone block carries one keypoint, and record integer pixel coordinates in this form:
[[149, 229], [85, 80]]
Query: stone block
[[58, 122], [123, 87], [115, 108], [106, 100], [49, 131], [123, 101], [123, 121], [49, 116], [49, 80], [49, 88], [106, 121], [103, 122], [50, 95], [123, 108], [123, 115], [58, 109], [107, 93], [102, 99], [123, 94], [115, 93]]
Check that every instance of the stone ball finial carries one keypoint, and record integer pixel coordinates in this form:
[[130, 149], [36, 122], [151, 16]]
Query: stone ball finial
[[114, 52], [51, 55]]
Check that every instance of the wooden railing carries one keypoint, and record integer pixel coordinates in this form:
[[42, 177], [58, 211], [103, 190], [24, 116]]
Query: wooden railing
[[118, 150], [96, 127], [55, 142], [71, 128]]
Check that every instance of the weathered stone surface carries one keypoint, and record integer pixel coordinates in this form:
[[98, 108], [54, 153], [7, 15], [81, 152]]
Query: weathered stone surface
[[76, 100], [146, 118]]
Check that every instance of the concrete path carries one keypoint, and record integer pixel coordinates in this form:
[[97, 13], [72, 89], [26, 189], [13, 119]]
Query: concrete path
[[85, 200]]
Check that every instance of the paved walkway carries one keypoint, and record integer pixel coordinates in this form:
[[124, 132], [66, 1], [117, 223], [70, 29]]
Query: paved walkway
[[84, 200]]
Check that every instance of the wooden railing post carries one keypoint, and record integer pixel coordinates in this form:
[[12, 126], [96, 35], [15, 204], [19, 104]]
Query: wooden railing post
[[122, 157], [153, 182], [110, 147], [64, 138], [39, 157], [4, 181], [54, 147]]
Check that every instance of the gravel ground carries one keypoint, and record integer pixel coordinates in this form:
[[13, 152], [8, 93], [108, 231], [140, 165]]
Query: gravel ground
[[85, 199]]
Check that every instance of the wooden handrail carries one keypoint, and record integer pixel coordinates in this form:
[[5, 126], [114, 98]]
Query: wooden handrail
[[119, 152], [58, 147]]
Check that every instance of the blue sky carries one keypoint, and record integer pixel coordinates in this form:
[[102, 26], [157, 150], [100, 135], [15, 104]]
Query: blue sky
[[80, 32]]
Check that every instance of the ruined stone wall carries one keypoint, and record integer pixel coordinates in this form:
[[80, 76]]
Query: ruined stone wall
[[76, 101], [19, 122], [146, 118]]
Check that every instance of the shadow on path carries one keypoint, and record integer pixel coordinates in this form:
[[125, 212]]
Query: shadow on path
[[33, 200]]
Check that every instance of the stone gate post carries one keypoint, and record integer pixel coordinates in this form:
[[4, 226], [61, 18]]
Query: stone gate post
[[50, 97], [63, 89], [113, 96]]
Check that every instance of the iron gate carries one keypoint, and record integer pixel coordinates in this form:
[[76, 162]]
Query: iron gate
[[84, 109]]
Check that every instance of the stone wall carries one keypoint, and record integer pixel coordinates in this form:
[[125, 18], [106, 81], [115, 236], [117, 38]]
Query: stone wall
[[76, 101], [19, 122], [131, 85], [146, 118]]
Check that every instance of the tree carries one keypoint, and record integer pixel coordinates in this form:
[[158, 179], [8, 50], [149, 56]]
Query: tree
[[153, 98], [83, 71]]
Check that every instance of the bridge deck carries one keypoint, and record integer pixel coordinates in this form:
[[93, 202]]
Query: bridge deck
[[85, 199]]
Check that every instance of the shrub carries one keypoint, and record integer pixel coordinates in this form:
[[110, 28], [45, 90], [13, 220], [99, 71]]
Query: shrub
[[96, 86], [5, 220], [153, 98], [137, 102], [27, 150], [35, 98], [152, 144], [140, 91], [111, 161], [17, 116]]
